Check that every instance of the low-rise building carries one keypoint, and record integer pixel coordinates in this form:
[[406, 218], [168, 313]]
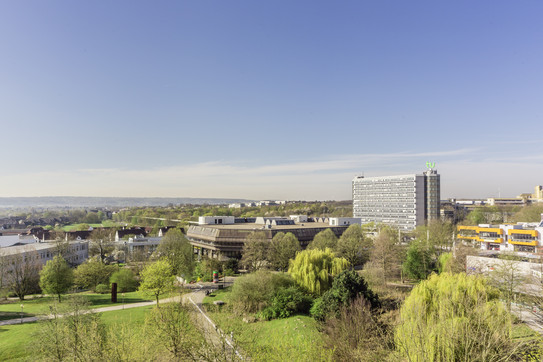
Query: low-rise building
[[223, 237], [520, 237]]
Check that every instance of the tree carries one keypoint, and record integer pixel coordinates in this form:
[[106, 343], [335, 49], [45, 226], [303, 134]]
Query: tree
[[93, 272], [315, 269], [324, 239], [384, 262], [125, 279], [157, 278], [102, 242], [56, 277], [283, 247], [508, 277], [346, 286], [24, 275], [178, 251], [255, 250], [454, 317], [354, 246], [418, 262], [173, 329]]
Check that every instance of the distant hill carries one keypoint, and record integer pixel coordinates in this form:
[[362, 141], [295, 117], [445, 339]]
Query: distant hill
[[81, 202]]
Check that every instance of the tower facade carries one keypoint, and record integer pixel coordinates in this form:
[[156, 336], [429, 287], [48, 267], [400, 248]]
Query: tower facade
[[404, 201]]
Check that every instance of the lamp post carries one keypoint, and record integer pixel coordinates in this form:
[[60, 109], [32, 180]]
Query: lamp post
[[123, 298], [22, 306]]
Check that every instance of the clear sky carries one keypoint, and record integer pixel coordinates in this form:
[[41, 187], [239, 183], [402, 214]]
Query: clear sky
[[279, 99]]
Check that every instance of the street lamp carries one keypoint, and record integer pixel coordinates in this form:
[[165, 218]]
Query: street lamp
[[123, 298], [22, 306]]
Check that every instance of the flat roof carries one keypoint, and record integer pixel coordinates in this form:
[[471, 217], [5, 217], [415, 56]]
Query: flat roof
[[252, 226]]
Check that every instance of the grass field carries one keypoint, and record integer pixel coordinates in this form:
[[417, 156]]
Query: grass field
[[36, 305], [289, 339], [16, 341]]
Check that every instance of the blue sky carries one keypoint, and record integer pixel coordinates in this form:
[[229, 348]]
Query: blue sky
[[268, 99]]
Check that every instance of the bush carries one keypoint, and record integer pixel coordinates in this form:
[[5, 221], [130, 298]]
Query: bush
[[103, 288], [346, 286], [252, 293], [125, 279], [286, 302]]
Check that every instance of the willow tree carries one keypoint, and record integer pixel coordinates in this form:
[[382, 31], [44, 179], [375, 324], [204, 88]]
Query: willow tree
[[455, 317], [315, 269]]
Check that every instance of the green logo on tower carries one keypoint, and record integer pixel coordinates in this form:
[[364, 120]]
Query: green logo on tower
[[430, 165]]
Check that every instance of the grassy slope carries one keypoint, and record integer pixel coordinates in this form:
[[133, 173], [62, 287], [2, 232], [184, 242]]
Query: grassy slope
[[290, 339]]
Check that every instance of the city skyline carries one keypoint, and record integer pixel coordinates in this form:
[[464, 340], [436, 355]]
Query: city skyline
[[278, 100]]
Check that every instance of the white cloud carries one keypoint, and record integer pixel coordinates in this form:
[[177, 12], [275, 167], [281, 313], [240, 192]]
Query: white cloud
[[313, 179]]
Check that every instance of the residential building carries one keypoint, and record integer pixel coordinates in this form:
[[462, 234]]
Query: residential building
[[404, 201]]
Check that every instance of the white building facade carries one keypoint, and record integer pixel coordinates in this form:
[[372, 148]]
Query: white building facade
[[403, 202]]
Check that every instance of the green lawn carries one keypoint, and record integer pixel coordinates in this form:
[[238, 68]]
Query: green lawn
[[16, 341], [36, 305], [290, 339]]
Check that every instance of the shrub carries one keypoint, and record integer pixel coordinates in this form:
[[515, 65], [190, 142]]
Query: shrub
[[286, 302], [346, 286], [103, 288], [125, 279], [252, 293]]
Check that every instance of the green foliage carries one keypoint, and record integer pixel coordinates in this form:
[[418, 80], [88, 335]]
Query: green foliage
[[56, 277], [531, 213], [177, 250], [354, 246], [253, 292], [255, 251], [313, 270], [93, 272], [125, 279], [103, 289], [454, 317], [157, 278], [286, 302], [346, 286], [445, 263], [324, 239], [418, 263], [283, 247]]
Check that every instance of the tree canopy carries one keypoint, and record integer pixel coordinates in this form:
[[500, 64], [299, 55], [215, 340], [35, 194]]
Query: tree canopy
[[175, 247], [56, 277], [324, 239], [314, 269], [354, 246], [283, 247], [255, 250], [454, 317], [157, 278]]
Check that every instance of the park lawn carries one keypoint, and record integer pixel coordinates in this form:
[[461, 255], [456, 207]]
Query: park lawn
[[73, 227], [16, 341], [289, 339], [40, 304]]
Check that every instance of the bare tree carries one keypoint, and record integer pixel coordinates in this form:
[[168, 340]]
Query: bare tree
[[24, 275]]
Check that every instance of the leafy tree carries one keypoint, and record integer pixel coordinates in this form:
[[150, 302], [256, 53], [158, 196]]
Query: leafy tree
[[354, 246], [418, 263], [286, 302], [454, 317], [157, 278], [93, 272], [314, 269], [384, 263], [56, 277], [253, 292], [531, 213], [24, 275], [175, 247], [171, 327], [346, 286], [324, 239], [283, 247], [125, 279], [255, 250]]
